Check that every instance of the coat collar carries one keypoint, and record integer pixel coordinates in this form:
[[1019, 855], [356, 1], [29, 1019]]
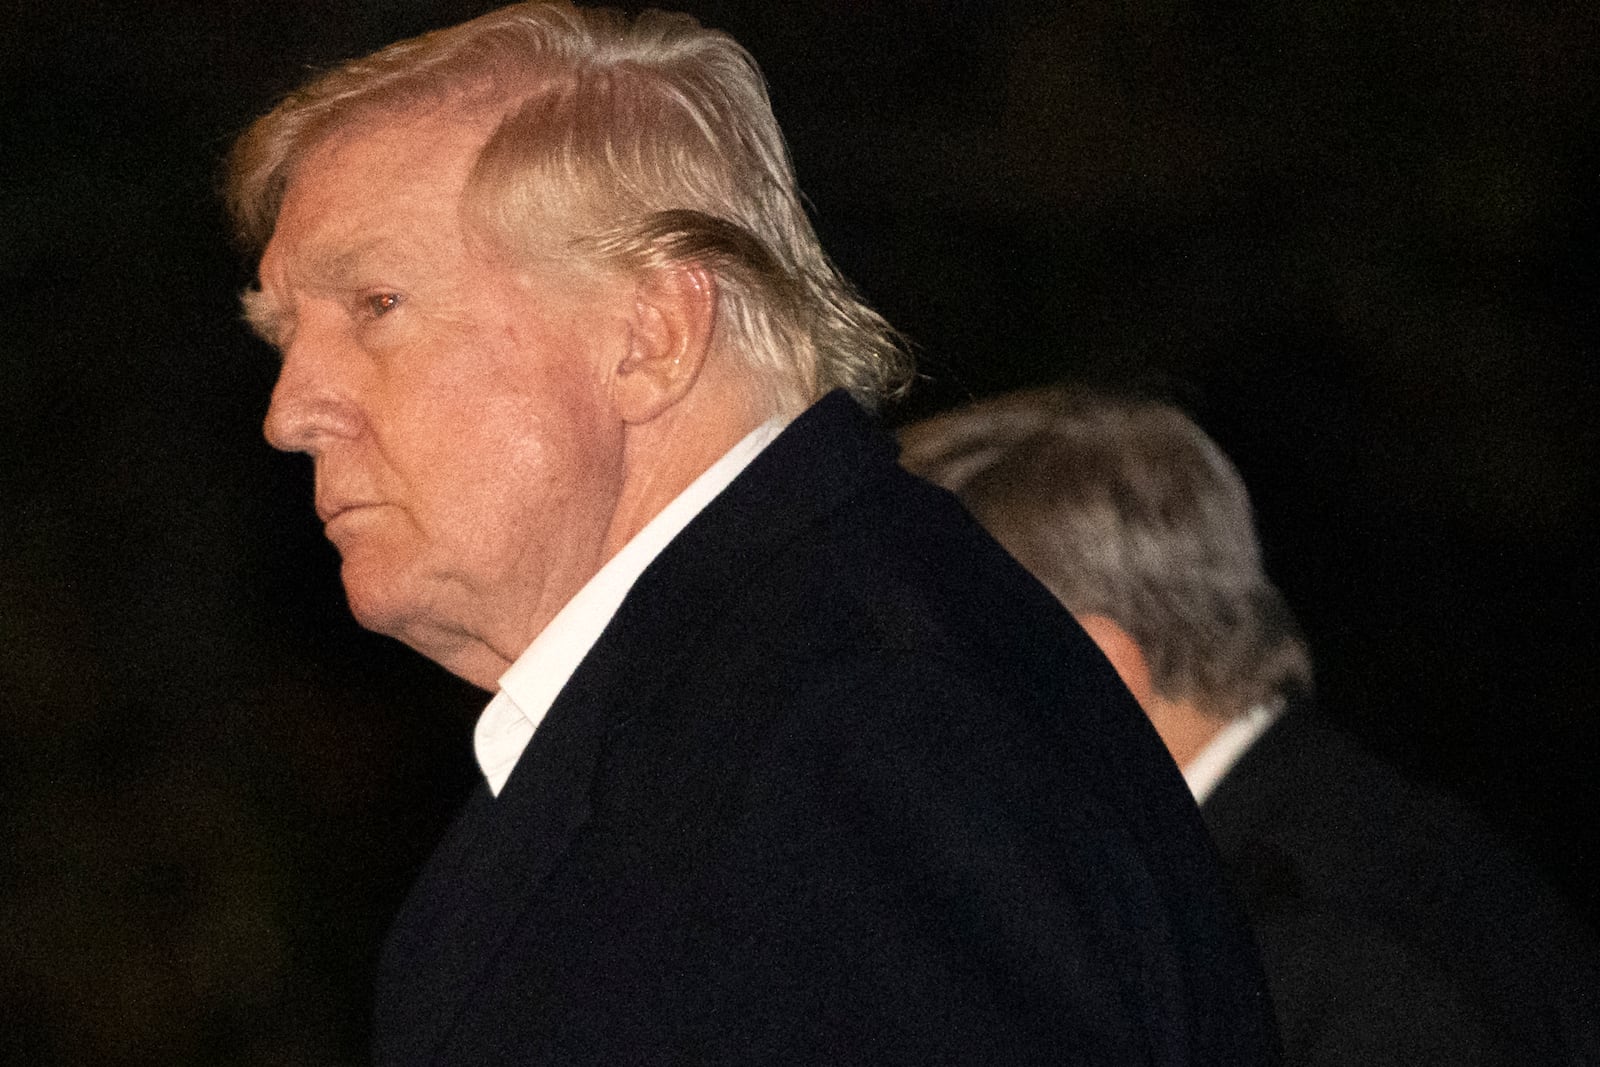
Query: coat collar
[[481, 877]]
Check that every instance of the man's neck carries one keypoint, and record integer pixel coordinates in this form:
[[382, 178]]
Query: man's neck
[[661, 457], [1184, 728]]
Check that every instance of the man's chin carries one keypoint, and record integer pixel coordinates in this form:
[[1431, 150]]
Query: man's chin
[[376, 601], [387, 605]]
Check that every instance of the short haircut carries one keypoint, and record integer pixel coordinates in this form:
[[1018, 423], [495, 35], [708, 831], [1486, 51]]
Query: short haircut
[[628, 143], [1123, 507]]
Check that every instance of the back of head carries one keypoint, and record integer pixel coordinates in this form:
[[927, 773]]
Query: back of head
[[621, 143], [1124, 508]]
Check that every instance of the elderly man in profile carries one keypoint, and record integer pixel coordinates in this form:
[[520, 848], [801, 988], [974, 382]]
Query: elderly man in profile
[[1394, 929], [787, 761]]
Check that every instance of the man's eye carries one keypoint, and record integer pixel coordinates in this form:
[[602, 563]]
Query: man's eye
[[381, 304]]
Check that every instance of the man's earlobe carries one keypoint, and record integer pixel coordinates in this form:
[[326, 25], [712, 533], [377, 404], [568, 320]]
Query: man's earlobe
[[675, 312]]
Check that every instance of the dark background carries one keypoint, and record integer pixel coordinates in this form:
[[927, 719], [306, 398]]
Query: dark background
[[1357, 239]]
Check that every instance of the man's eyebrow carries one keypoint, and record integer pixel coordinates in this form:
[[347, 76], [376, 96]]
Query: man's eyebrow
[[263, 314], [329, 268], [321, 267], [337, 265]]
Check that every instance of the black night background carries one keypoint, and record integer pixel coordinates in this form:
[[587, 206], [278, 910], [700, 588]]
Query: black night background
[[1357, 240]]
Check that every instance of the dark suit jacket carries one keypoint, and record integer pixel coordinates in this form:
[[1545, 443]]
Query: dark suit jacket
[[839, 784], [1394, 928]]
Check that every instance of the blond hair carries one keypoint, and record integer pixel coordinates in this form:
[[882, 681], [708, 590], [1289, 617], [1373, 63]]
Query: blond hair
[[633, 144]]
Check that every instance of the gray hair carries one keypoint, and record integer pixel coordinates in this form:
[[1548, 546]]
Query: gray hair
[[1125, 508], [629, 143]]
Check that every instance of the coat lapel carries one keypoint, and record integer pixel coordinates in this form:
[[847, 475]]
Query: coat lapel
[[480, 879]]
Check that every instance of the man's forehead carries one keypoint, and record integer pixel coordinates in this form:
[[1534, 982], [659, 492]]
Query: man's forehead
[[380, 159], [368, 188], [398, 140]]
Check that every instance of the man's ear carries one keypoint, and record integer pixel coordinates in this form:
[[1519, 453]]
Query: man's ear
[[1125, 655], [674, 314]]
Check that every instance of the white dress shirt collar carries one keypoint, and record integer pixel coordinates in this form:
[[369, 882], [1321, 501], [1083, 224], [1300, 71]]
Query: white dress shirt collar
[[532, 683], [1229, 745]]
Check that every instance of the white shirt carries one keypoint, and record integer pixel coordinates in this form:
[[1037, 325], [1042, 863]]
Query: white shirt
[[531, 684], [1227, 748]]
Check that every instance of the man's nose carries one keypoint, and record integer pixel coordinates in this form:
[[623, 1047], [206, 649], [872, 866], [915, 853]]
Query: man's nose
[[312, 405]]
